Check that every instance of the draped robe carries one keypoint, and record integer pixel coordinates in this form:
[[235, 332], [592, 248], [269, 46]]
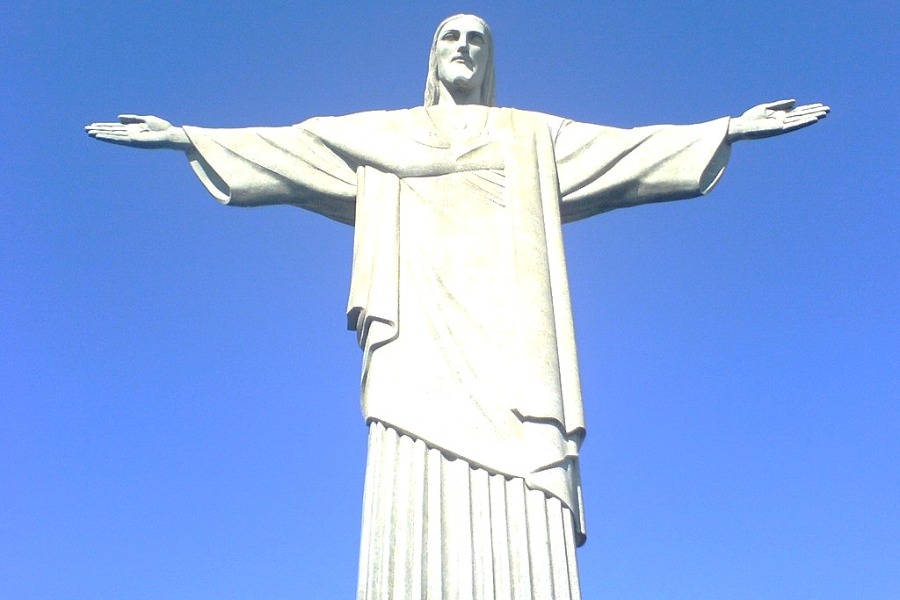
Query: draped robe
[[459, 294]]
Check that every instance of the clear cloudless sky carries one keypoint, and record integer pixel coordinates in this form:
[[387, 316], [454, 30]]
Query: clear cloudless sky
[[179, 412]]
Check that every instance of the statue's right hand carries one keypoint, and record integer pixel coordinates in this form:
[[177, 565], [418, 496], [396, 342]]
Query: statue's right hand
[[140, 132]]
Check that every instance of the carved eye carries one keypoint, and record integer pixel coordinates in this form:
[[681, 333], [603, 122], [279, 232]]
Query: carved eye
[[450, 36], [476, 38]]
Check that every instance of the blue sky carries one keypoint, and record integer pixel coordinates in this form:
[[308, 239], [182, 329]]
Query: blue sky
[[179, 410]]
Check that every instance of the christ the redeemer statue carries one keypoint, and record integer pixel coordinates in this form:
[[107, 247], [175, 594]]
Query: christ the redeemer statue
[[460, 301]]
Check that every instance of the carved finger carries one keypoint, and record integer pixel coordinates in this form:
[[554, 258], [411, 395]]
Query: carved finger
[[816, 115], [113, 138], [111, 128], [800, 115], [102, 125], [781, 104], [799, 123], [809, 109]]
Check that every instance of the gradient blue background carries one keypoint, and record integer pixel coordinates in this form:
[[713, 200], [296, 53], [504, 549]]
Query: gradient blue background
[[178, 397]]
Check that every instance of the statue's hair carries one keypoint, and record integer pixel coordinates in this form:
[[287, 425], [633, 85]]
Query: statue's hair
[[432, 84]]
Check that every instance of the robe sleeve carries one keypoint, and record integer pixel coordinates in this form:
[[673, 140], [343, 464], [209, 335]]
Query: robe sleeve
[[274, 165], [603, 168]]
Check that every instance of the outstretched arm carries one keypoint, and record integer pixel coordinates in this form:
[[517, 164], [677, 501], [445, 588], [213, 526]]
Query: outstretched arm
[[140, 132], [774, 118]]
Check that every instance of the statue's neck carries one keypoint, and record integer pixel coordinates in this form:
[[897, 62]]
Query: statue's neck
[[452, 121], [458, 96]]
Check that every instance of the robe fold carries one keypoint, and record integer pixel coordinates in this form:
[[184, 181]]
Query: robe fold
[[459, 295]]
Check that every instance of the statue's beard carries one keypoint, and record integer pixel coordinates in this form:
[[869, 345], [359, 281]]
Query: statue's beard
[[460, 78]]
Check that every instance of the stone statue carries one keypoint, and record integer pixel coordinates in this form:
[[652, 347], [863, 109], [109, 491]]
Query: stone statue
[[460, 302]]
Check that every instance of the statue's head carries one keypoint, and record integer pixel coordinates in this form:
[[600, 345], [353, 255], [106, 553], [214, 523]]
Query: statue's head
[[462, 57]]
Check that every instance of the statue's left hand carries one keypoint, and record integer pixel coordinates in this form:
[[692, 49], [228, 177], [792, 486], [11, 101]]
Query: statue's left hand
[[774, 118]]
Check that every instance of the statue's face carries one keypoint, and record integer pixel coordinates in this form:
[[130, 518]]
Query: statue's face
[[462, 54]]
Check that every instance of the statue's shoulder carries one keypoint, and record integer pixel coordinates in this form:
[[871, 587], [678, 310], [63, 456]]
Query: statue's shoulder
[[537, 119], [381, 119], [522, 113]]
